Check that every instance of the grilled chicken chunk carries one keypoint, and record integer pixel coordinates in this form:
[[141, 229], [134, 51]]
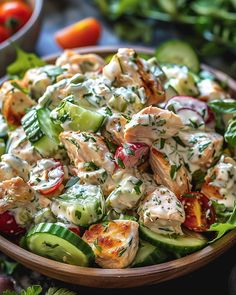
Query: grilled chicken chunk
[[79, 63], [150, 124], [12, 166], [202, 147], [38, 79], [175, 177], [211, 90], [127, 69], [220, 182], [114, 129], [162, 212], [86, 147], [14, 102], [19, 146], [115, 243], [14, 192]]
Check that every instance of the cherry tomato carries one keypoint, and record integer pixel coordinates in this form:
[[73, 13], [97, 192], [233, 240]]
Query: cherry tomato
[[199, 211], [131, 154], [15, 14], [4, 33], [82, 33], [8, 224], [47, 176]]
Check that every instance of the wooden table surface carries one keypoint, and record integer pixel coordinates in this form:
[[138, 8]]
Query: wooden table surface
[[219, 277]]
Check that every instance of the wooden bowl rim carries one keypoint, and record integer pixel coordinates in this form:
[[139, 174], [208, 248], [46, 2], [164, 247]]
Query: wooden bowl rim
[[37, 10], [178, 266]]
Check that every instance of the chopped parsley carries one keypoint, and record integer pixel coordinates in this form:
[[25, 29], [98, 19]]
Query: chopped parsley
[[120, 163], [128, 149]]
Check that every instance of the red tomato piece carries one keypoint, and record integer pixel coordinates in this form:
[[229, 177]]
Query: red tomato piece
[[4, 33], [131, 154], [199, 211], [85, 32], [15, 14], [47, 179], [9, 226]]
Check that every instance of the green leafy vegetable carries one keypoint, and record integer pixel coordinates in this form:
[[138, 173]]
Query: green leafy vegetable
[[37, 290], [227, 107], [8, 267], [223, 106], [58, 291], [19, 87], [198, 179], [34, 290], [222, 228], [54, 72], [73, 180], [23, 62], [230, 134]]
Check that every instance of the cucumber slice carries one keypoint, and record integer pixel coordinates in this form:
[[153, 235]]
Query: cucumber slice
[[148, 255], [59, 243], [44, 215], [77, 118], [178, 52], [179, 246], [81, 205], [170, 92], [41, 131]]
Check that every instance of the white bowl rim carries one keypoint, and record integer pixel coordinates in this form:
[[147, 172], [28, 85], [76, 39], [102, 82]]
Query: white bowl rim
[[36, 12]]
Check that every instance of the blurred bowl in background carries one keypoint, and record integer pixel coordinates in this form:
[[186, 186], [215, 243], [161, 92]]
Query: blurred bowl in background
[[25, 38]]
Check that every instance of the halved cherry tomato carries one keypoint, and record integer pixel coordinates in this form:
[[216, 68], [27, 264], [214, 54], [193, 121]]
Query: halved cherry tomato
[[131, 154], [47, 177], [4, 33], [9, 226], [199, 211], [82, 33], [15, 14]]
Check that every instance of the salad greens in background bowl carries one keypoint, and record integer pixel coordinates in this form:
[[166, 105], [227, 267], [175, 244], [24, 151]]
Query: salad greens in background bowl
[[104, 206]]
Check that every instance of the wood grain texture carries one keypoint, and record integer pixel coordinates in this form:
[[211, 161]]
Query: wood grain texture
[[129, 277]]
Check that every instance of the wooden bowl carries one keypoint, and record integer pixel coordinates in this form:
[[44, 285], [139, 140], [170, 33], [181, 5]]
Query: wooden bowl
[[129, 277], [25, 38]]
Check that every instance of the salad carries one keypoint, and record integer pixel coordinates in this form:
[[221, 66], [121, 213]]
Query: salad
[[116, 163]]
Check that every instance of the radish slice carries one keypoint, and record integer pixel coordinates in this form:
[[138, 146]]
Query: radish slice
[[131, 154], [191, 118], [187, 102]]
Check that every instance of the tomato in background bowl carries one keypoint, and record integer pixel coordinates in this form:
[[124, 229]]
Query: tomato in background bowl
[[25, 37], [13, 16]]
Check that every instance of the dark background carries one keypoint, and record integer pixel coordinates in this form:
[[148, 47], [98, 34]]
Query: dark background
[[219, 276]]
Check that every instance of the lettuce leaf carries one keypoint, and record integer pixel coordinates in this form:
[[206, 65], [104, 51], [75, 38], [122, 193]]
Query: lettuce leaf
[[223, 106], [34, 290], [24, 61], [223, 228]]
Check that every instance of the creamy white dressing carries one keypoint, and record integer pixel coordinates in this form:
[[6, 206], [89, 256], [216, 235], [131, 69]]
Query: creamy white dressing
[[181, 79], [127, 194], [223, 176], [211, 90], [162, 212]]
